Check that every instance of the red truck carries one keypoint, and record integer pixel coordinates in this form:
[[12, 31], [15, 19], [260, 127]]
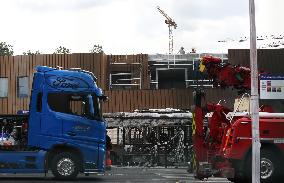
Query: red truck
[[222, 137]]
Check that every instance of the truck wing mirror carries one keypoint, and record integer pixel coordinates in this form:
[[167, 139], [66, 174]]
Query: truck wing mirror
[[104, 98]]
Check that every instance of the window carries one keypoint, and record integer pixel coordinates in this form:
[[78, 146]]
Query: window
[[171, 78], [23, 86], [3, 87], [85, 105], [39, 102], [97, 108], [124, 80]]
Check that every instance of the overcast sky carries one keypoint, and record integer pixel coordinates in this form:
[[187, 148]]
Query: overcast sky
[[132, 26]]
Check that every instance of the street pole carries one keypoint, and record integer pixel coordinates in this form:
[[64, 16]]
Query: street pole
[[254, 107]]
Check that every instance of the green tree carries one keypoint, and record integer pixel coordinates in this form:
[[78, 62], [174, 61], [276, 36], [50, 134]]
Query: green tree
[[97, 49], [6, 49], [29, 52], [62, 50]]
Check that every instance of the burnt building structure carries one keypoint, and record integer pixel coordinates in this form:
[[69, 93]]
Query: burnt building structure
[[152, 137]]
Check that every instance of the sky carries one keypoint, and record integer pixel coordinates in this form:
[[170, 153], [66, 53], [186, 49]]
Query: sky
[[133, 26]]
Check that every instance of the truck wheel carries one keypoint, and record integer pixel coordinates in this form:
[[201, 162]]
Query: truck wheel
[[65, 166], [269, 166]]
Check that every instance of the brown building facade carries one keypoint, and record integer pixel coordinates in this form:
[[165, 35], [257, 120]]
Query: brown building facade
[[131, 81]]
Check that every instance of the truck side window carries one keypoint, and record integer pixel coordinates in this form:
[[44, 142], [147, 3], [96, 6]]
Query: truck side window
[[79, 105], [75, 104], [97, 108], [39, 102], [58, 102]]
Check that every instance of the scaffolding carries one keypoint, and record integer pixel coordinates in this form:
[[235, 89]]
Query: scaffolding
[[125, 76], [189, 62]]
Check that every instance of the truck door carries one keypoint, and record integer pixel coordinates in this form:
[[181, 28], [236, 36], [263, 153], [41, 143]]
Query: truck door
[[80, 126]]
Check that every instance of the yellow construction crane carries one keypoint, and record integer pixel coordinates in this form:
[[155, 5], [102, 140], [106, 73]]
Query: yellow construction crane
[[171, 24]]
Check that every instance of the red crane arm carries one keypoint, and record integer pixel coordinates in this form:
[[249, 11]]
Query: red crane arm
[[210, 138], [225, 74]]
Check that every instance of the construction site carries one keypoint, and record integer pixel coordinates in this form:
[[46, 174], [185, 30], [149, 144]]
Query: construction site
[[182, 112]]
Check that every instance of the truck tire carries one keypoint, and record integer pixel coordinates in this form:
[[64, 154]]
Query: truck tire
[[65, 165], [269, 166]]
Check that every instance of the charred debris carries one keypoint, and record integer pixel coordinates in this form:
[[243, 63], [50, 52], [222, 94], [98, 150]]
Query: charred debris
[[153, 137]]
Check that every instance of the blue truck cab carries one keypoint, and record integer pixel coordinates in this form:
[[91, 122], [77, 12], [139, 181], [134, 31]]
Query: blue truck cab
[[64, 130]]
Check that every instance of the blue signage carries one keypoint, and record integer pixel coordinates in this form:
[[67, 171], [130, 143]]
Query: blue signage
[[271, 77], [271, 86]]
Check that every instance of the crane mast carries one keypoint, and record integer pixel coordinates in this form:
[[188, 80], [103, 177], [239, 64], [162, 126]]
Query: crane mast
[[172, 25]]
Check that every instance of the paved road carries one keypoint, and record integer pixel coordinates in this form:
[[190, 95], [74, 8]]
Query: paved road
[[119, 175]]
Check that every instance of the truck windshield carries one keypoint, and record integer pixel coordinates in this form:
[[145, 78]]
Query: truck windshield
[[85, 105]]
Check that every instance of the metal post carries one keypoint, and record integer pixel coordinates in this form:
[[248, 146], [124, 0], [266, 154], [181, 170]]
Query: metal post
[[110, 81], [168, 60], [117, 137], [166, 154], [254, 107]]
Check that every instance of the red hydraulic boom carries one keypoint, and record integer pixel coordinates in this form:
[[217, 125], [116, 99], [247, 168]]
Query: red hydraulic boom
[[213, 137]]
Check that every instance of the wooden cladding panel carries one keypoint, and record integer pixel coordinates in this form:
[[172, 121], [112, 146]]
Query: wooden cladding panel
[[125, 100], [145, 75], [9, 73], [14, 66], [129, 100], [269, 60]]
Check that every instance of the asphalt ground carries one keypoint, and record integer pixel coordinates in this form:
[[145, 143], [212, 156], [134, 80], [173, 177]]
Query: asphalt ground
[[119, 175]]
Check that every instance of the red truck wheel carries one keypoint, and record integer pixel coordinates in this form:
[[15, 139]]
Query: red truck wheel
[[269, 166]]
